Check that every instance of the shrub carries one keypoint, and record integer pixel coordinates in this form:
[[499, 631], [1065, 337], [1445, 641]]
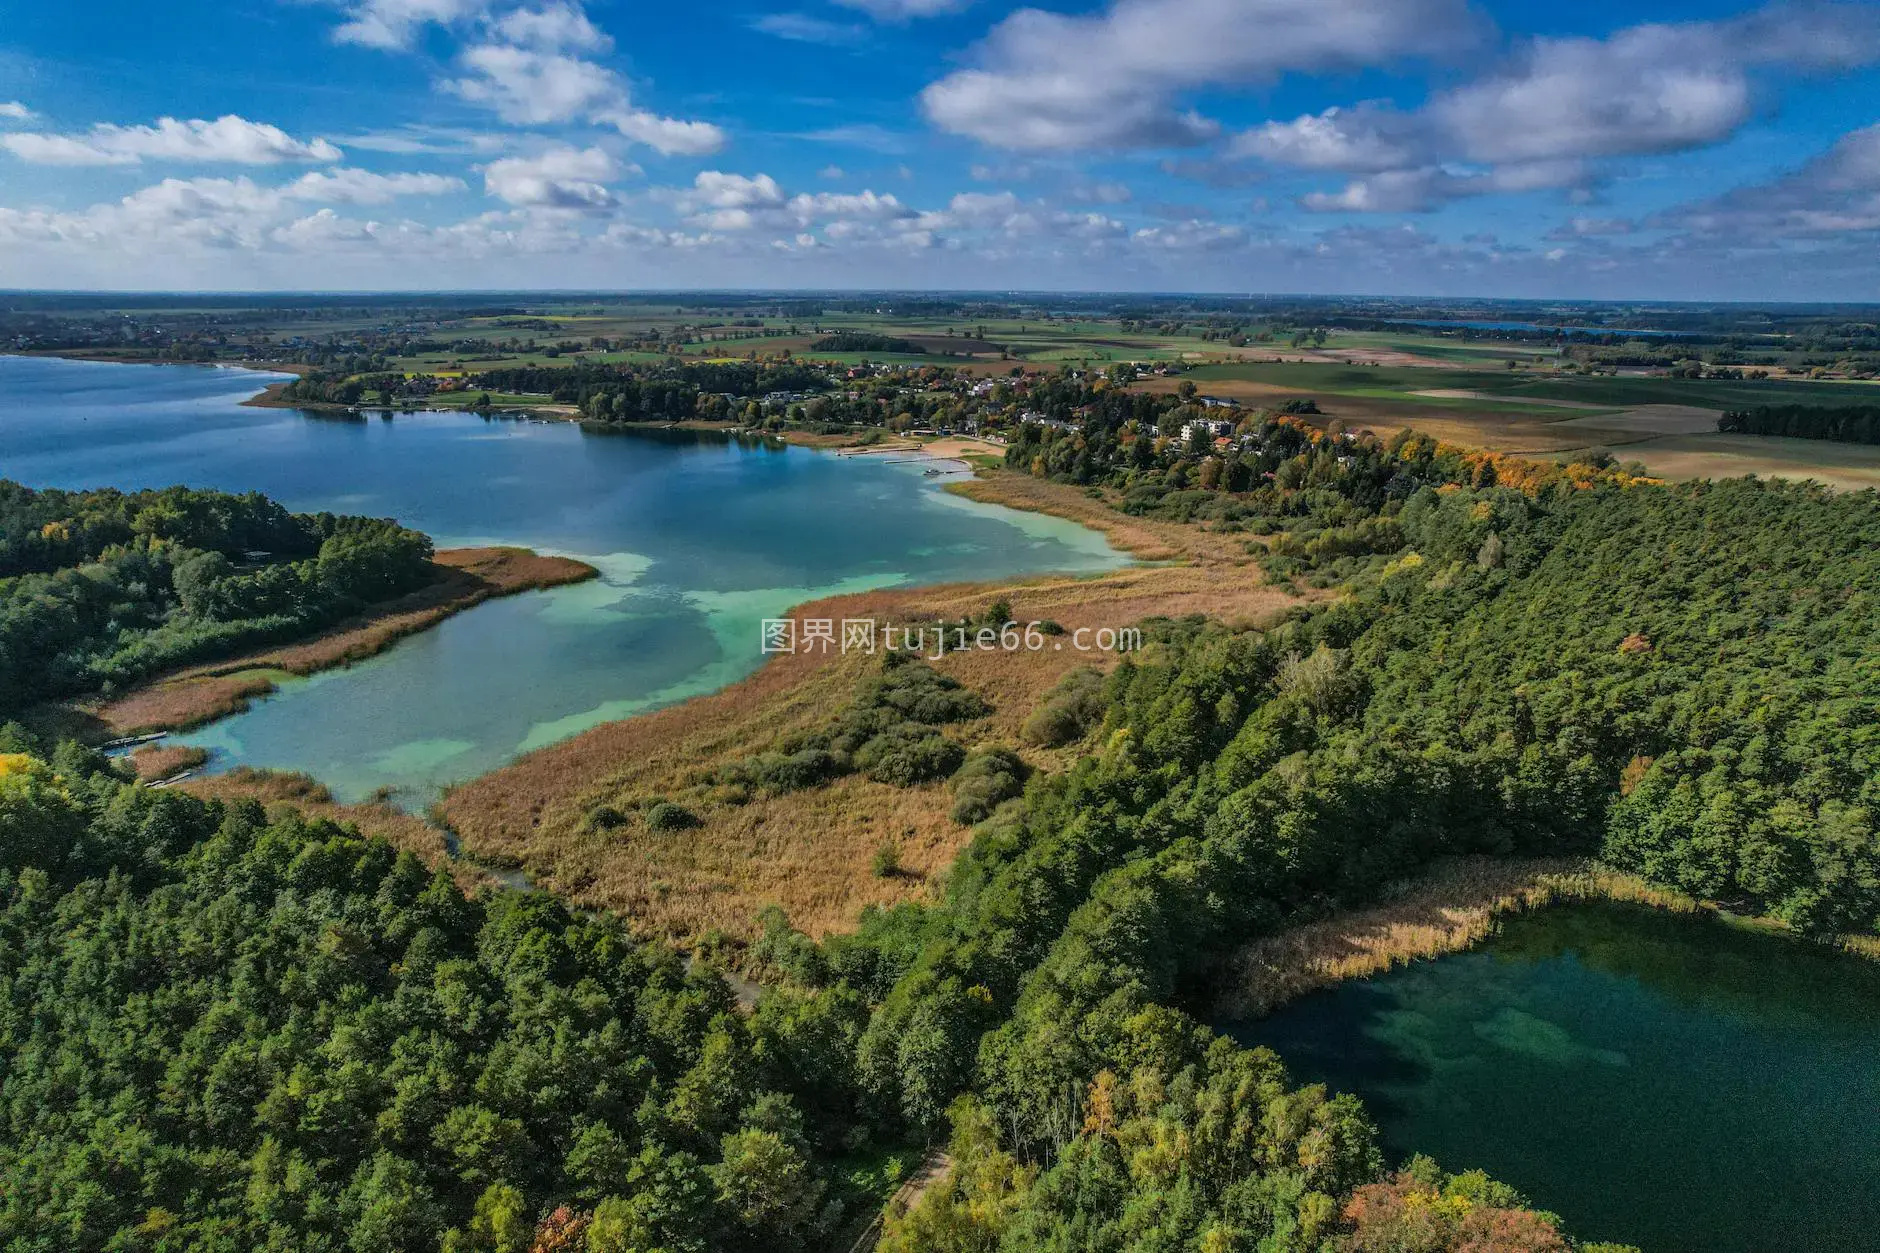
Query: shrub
[[785, 772], [909, 754], [989, 778], [919, 694], [1070, 711], [666, 816], [886, 862]]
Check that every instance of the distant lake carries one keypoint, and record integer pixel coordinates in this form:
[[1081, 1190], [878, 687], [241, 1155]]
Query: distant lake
[[1669, 1082], [697, 540]]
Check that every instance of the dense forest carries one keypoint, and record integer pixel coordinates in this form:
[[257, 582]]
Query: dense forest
[[99, 589], [225, 1031], [666, 392], [1854, 424], [222, 1032], [230, 1031]]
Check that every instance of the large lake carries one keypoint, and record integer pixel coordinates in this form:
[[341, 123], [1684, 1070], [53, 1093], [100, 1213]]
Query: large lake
[[1669, 1082], [697, 540]]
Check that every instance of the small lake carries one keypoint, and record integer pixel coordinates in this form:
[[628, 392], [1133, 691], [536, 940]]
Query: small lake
[[697, 539], [1671, 1082]]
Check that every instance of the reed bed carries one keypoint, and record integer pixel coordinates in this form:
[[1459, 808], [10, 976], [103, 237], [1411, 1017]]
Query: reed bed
[[810, 852], [277, 789], [1456, 906], [155, 762], [203, 693]]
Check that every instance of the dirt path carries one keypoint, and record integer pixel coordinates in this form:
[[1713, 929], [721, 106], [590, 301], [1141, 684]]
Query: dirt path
[[905, 1198]]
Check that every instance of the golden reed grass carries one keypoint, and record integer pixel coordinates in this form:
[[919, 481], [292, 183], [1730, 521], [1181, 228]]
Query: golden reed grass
[[1457, 905], [811, 852], [278, 790]]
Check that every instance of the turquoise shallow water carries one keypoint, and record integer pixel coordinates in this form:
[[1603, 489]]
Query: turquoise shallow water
[[697, 540], [1668, 1082]]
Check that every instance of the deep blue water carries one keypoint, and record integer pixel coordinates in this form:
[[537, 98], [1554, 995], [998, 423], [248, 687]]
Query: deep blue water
[[1669, 1082], [697, 541]]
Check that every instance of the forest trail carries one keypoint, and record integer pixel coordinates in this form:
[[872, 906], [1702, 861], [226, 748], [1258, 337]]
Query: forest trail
[[905, 1198]]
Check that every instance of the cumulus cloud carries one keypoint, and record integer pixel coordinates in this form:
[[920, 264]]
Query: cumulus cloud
[[391, 24], [349, 186], [212, 212], [1194, 235], [531, 87], [227, 140], [973, 209], [14, 111], [555, 28], [669, 136], [1046, 81], [560, 178], [1426, 188], [1363, 140], [1557, 107], [1651, 89]]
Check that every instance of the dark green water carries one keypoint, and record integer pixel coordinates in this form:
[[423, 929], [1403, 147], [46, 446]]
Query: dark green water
[[697, 540], [1674, 1083]]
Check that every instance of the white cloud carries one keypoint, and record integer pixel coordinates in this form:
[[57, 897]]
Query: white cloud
[[864, 204], [1353, 141], [413, 139], [14, 111], [865, 135], [803, 28], [1427, 188], [903, 10], [554, 28], [560, 178], [669, 136], [1837, 193], [1191, 236], [228, 140], [349, 186], [1651, 89], [392, 24], [1648, 89], [1591, 228], [1557, 107], [730, 202], [1046, 81], [211, 212], [971, 209], [528, 87], [718, 190], [1089, 226]]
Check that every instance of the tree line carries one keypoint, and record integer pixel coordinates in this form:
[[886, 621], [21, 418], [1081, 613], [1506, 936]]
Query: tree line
[[1850, 424], [100, 589]]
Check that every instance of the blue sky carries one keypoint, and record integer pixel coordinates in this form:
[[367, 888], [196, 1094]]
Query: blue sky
[[1684, 150]]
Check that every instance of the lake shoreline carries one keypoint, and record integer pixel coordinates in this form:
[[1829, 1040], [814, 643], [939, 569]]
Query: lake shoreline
[[1452, 908], [202, 693]]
